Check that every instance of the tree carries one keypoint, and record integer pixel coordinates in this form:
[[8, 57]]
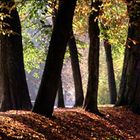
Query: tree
[[44, 103], [122, 97], [79, 97], [130, 83], [110, 68], [60, 88], [93, 59], [13, 81], [60, 95]]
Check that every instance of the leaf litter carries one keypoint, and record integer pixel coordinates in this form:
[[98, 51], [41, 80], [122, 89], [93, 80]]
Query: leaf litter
[[118, 123]]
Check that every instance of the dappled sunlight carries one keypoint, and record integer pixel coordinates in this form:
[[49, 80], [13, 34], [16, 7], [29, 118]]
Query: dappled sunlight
[[117, 123]]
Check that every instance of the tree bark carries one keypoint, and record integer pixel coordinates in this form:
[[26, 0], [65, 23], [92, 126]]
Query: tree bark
[[44, 103], [122, 95], [110, 69], [60, 88], [14, 87], [79, 97], [131, 91], [93, 61]]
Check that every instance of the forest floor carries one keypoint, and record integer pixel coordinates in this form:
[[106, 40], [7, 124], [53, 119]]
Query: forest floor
[[71, 124]]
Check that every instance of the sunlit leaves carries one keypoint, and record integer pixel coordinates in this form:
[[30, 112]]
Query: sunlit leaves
[[5, 15], [36, 30], [114, 17], [33, 58], [80, 19], [33, 55]]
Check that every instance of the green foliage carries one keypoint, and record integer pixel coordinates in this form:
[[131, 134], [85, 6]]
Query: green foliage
[[103, 96], [113, 16], [36, 22], [115, 21], [81, 44], [113, 26], [36, 31], [33, 57]]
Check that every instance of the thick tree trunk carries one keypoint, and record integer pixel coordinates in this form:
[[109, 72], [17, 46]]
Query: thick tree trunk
[[60, 95], [93, 61], [60, 88], [110, 69], [123, 91], [14, 86], [79, 97], [44, 103], [131, 94]]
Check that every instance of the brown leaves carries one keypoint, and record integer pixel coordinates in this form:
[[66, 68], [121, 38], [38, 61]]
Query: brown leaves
[[70, 124]]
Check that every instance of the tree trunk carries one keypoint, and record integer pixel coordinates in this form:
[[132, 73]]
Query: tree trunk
[[122, 96], [131, 94], [111, 76], [60, 95], [60, 88], [44, 103], [14, 87], [79, 97], [93, 61]]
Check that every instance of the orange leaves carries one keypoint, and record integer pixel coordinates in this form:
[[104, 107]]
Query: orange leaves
[[135, 42], [80, 18], [71, 124]]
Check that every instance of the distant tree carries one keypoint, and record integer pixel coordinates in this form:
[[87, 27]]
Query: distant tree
[[79, 96], [93, 59], [110, 68], [44, 103], [60, 95], [13, 86], [122, 95], [130, 83]]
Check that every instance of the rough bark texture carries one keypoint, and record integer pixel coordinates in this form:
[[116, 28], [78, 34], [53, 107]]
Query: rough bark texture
[[44, 103], [93, 61], [13, 86], [60, 95], [79, 97], [131, 87], [110, 69]]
